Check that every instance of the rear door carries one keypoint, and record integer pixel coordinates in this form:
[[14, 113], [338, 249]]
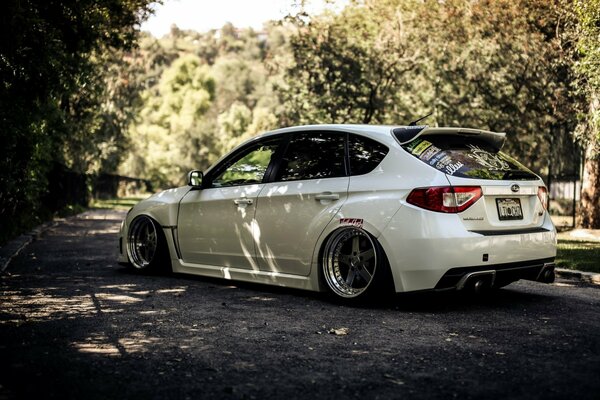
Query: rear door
[[309, 186], [512, 198]]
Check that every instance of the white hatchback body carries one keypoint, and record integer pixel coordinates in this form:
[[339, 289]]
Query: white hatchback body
[[280, 229]]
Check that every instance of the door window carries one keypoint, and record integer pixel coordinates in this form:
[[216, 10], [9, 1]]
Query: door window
[[365, 154], [248, 168], [313, 156]]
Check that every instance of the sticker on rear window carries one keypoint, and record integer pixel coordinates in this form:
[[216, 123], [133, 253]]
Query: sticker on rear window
[[487, 159], [421, 147], [430, 152]]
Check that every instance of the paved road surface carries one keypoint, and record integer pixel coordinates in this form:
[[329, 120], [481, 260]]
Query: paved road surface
[[74, 324]]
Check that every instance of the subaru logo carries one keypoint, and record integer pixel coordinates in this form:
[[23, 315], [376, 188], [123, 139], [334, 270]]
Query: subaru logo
[[515, 188]]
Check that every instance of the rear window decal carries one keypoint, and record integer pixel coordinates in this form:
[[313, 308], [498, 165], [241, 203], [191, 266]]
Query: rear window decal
[[467, 158], [487, 159], [421, 147]]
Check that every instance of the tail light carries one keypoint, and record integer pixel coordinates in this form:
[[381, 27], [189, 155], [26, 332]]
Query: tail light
[[543, 196], [446, 199]]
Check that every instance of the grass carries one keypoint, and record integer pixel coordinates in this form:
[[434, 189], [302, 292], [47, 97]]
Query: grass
[[581, 254], [122, 203]]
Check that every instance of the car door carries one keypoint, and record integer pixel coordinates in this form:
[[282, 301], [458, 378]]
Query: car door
[[309, 186], [215, 224]]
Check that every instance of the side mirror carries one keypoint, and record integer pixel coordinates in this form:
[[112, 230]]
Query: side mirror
[[194, 179]]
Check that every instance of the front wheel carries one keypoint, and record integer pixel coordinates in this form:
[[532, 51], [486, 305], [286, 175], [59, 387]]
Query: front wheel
[[353, 264], [147, 247]]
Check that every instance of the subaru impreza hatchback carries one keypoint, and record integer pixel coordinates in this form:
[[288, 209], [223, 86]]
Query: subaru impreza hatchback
[[353, 209]]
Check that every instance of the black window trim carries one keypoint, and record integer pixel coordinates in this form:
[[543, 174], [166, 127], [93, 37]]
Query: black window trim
[[284, 140]]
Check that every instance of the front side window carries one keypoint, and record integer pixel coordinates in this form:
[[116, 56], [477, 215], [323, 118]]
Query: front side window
[[249, 168], [467, 157], [313, 156], [365, 154]]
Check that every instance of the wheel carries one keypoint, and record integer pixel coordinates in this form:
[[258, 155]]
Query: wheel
[[353, 264], [147, 247]]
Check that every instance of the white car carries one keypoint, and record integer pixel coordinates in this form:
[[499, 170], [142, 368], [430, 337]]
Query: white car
[[353, 209]]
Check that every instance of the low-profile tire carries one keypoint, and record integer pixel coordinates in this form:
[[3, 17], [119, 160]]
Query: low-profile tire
[[147, 247], [354, 265]]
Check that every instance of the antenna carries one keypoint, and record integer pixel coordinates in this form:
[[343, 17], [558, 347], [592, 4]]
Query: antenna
[[414, 123]]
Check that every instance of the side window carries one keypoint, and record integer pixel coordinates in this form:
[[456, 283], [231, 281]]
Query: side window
[[313, 156], [249, 167], [365, 154]]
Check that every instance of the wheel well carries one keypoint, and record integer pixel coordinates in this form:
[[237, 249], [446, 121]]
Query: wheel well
[[321, 281], [165, 250]]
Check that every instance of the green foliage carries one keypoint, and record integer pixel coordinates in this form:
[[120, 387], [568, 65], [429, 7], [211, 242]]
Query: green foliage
[[588, 68], [166, 138], [205, 93], [391, 61], [53, 93]]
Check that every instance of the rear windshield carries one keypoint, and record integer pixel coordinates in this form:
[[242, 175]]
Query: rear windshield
[[467, 157]]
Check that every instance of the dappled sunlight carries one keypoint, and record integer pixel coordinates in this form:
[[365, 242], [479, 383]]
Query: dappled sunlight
[[97, 344], [117, 298], [180, 289], [249, 255], [101, 344], [22, 306]]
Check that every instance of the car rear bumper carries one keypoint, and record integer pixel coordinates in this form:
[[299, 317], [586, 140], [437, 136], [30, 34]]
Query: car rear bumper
[[429, 250], [497, 275]]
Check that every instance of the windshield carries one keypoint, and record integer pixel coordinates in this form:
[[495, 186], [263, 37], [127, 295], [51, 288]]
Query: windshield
[[467, 157]]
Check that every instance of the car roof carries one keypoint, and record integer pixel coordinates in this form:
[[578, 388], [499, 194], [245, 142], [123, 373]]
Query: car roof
[[387, 132]]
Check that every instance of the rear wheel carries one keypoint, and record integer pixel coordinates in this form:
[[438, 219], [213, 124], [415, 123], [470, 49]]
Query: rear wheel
[[353, 264], [147, 247]]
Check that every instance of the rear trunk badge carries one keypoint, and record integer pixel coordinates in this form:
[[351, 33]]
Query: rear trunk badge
[[515, 188]]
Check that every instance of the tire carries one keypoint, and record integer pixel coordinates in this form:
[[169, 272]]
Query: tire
[[354, 265], [147, 248]]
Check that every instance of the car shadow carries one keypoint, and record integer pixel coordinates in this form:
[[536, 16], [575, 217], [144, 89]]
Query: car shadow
[[421, 302]]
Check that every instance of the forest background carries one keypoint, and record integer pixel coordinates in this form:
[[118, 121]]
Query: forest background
[[84, 91]]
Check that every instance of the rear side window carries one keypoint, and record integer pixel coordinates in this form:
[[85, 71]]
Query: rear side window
[[313, 156], [365, 154], [467, 157]]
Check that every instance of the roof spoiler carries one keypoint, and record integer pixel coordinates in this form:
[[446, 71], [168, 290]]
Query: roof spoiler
[[406, 134]]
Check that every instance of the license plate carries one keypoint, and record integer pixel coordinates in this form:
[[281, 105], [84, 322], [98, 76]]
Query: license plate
[[509, 208]]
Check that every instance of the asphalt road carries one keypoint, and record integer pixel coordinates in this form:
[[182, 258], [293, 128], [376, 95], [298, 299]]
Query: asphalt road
[[76, 325]]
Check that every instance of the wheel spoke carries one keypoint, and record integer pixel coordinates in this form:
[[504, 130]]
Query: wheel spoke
[[350, 278], [344, 259], [355, 245], [366, 275], [367, 255]]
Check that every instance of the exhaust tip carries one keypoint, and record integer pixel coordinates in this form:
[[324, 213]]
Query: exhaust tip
[[479, 286], [548, 275]]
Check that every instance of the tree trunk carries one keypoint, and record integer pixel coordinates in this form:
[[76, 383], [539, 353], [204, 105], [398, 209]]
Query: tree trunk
[[588, 216]]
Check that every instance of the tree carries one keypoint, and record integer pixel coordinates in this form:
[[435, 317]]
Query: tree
[[48, 57], [348, 67], [588, 68], [168, 139]]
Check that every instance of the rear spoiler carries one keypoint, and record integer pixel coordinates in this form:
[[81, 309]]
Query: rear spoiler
[[406, 134]]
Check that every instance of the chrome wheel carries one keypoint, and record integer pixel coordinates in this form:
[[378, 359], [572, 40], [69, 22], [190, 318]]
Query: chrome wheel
[[142, 242], [350, 262]]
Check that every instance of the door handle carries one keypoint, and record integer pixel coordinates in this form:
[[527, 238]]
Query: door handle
[[327, 196], [243, 200]]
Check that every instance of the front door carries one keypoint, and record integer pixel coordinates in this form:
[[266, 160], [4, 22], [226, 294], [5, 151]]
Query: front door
[[215, 225]]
